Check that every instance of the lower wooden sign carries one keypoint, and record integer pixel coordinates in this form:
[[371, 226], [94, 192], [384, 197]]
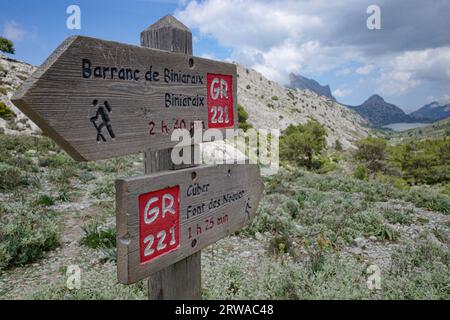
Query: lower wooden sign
[[165, 217]]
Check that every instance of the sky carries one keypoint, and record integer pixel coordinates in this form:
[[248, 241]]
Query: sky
[[407, 61]]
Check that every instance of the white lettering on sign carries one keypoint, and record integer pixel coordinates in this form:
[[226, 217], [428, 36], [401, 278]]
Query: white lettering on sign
[[159, 223], [219, 89], [150, 215]]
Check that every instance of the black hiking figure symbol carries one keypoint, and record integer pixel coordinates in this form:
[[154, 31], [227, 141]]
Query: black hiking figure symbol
[[102, 112], [247, 208]]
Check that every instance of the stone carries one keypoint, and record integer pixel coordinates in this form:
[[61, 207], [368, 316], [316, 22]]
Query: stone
[[259, 236], [358, 242]]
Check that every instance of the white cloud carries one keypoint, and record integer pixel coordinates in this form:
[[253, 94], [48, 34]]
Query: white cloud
[[344, 71], [410, 69], [13, 31], [342, 92], [268, 36], [312, 37], [365, 70]]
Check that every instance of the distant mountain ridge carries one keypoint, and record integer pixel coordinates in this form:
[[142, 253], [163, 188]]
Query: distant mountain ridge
[[432, 112], [380, 113], [303, 83], [272, 105]]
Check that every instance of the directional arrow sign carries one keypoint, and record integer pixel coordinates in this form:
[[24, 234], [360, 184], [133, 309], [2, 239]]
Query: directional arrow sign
[[99, 99], [165, 217]]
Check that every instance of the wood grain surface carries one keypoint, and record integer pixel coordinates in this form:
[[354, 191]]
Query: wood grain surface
[[242, 183], [130, 84]]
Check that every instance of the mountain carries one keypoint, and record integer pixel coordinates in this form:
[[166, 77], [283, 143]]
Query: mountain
[[273, 106], [302, 83], [432, 112], [380, 113]]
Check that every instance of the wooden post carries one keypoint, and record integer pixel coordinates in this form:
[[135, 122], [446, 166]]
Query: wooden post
[[181, 280]]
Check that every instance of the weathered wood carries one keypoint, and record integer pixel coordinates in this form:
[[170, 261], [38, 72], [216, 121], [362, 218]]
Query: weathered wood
[[214, 201], [168, 34], [181, 280], [99, 99]]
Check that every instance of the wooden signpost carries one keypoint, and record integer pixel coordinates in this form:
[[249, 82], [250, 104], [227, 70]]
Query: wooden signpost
[[165, 217], [99, 99]]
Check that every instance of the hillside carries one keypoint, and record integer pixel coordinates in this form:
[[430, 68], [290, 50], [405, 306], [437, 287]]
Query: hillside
[[438, 129], [12, 74], [380, 113], [271, 105], [432, 112]]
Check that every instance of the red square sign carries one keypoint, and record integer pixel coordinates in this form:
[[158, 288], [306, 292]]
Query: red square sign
[[159, 223], [220, 101]]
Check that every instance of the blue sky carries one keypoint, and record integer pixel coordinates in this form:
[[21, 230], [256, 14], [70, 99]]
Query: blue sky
[[407, 61]]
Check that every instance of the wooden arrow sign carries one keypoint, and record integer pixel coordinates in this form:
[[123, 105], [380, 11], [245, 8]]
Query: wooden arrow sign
[[99, 99], [165, 217]]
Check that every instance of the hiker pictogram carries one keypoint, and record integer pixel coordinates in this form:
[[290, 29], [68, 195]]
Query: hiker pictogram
[[103, 113]]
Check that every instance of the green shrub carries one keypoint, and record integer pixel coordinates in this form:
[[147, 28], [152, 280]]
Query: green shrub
[[275, 98], [428, 199], [12, 178], [3, 91], [44, 201], [242, 119], [398, 216], [26, 233], [86, 176], [338, 145], [300, 144], [95, 237], [360, 172], [373, 152], [5, 112], [425, 161], [56, 160], [6, 46]]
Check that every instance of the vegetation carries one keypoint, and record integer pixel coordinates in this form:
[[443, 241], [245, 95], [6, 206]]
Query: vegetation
[[324, 219], [242, 119], [95, 237], [310, 222], [301, 144], [26, 233], [5, 112], [415, 162], [6, 46]]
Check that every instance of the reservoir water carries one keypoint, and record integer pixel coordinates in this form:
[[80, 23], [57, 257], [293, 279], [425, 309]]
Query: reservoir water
[[403, 126]]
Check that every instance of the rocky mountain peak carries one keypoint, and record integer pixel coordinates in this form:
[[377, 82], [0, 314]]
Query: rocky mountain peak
[[375, 98], [303, 83]]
